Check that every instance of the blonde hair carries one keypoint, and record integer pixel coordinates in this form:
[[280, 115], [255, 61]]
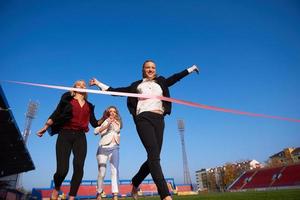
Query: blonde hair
[[74, 86], [106, 115]]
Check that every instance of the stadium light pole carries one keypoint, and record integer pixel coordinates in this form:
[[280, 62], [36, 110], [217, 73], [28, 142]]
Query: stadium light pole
[[31, 112], [186, 171], [29, 116]]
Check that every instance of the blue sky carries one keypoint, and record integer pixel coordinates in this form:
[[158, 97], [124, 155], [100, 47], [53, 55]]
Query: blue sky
[[248, 52]]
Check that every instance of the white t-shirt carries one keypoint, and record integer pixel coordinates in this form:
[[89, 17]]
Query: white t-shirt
[[149, 87]]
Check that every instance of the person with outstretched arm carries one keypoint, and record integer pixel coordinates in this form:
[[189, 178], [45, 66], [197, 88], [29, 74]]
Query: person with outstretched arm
[[148, 115]]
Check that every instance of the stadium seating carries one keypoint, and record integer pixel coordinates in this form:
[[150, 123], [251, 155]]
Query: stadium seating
[[184, 188], [276, 177], [125, 189], [148, 189], [290, 176], [87, 189], [242, 180], [262, 178]]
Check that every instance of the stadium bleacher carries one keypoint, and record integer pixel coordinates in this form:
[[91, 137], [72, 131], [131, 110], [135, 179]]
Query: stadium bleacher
[[87, 189], [262, 178], [268, 178], [290, 176], [185, 189], [242, 180], [14, 155]]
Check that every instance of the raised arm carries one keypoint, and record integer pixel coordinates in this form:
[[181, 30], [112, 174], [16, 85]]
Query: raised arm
[[99, 84], [178, 76], [105, 87]]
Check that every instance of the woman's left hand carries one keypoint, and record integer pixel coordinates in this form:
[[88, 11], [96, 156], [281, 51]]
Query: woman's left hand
[[194, 68]]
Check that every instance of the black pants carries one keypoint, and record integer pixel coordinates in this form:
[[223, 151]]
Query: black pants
[[67, 142], [150, 127]]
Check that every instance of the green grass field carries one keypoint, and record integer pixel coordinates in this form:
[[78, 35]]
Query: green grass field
[[252, 195]]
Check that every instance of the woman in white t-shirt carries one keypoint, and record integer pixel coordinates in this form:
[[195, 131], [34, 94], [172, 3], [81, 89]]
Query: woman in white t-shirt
[[148, 116], [109, 149]]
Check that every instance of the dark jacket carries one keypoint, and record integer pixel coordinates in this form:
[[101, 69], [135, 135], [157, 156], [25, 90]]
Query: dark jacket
[[63, 113], [164, 83]]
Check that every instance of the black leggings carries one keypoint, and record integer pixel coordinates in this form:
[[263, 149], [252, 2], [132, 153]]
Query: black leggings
[[150, 127], [67, 142]]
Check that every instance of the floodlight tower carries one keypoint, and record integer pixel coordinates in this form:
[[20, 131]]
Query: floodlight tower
[[31, 112], [186, 171]]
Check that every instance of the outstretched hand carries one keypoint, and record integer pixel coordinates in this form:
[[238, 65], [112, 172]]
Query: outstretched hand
[[195, 69], [101, 85], [93, 81]]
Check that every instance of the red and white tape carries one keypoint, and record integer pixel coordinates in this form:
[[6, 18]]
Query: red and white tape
[[183, 102]]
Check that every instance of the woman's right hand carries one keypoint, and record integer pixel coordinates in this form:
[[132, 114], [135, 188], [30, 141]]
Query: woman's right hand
[[41, 132]]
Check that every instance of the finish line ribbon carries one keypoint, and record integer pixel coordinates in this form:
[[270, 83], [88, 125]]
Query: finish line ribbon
[[187, 103]]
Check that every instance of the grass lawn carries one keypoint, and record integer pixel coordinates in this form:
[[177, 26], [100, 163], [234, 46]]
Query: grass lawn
[[251, 195]]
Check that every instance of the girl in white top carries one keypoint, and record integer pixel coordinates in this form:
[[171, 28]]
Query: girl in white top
[[109, 149]]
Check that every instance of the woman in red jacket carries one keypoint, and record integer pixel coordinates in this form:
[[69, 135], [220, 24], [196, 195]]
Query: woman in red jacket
[[70, 120]]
